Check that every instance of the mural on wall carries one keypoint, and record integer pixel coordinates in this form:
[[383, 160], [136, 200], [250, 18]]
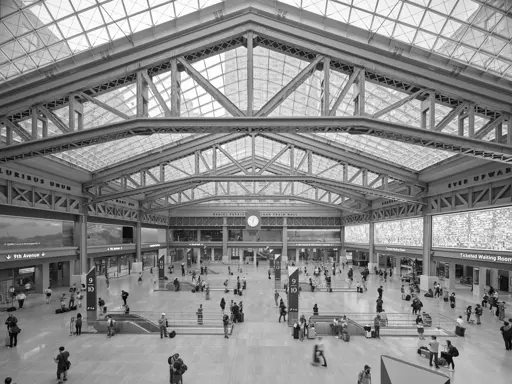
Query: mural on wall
[[488, 229], [318, 235], [104, 234], [359, 234], [20, 232], [408, 232], [149, 235]]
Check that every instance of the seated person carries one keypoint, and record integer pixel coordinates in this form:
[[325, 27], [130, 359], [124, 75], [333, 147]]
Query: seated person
[[460, 322]]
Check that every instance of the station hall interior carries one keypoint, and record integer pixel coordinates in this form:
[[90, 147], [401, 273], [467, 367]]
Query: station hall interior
[[144, 143]]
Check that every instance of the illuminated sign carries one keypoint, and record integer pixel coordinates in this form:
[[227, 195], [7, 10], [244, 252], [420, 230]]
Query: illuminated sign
[[395, 249], [20, 256], [263, 214], [486, 257], [114, 248], [319, 245], [154, 245]]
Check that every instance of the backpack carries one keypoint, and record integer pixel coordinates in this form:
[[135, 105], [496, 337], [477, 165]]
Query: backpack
[[455, 352], [478, 311]]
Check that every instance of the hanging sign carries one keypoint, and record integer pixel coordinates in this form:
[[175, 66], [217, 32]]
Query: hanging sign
[[161, 267], [277, 267]]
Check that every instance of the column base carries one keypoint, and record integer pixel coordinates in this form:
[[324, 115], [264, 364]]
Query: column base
[[427, 282], [371, 267], [476, 291], [225, 259]]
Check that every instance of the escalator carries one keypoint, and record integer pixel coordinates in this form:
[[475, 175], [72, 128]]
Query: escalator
[[128, 323]]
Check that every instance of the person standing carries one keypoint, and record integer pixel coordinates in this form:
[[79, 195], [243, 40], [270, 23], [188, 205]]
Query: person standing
[[78, 324], [182, 269], [71, 298], [302, 328], [269, 274], [13, 330], [450, 353], [380, 291], [111, 324], [419, 325], [225, 322], [276, 297], [162, 324], [376, 324], [222, 305], [478, 313], [63, 364], [364, 376], [315, 310], [282, 312], [506, 333], [48, 293], [199, 314], [402, 290], [433, 347], [21, 299], [379, 305], [501, 307], [319, 352]]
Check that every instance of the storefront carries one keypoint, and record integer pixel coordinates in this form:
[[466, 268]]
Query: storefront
[[405, 262], [114, 260], [357, 255]]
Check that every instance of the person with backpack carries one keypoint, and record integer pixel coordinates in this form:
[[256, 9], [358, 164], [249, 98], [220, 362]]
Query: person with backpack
[[101, 305], [78, 324], [63, 364], [225, 322], [124, 296], [450, 353], [452, 300], [13, 330], [364, 376], [478, 314], [282, 312]]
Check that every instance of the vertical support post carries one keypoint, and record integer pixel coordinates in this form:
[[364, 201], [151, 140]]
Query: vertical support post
[[76, 110], [326, 87], [471, 120], [35, 121], [284, 251], [81, 239], [310, 162], [292, 160], [138, 241], [372, 256], [360, 94], [250, 74], [200, 250], [196, 160], [8, 135], [142, 96], [253, 153], [44, 132], [428, 110], [428, 277], [225, 255], [214, 160], [508, 124], [175, 88]]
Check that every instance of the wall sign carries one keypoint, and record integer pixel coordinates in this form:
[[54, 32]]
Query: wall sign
[[485, 257], [395, 249], [277, 267], [90, 285], [262, 214], [293, 295], [27, 178], [21, 256], [318, 245], [161, 267], [484, 176], [114, 248]]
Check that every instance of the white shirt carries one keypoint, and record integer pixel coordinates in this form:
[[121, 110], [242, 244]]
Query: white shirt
[[460, 321]]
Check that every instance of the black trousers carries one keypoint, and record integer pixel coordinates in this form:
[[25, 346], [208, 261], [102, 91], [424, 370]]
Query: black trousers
[[433, 355], [508, 343], [377, 331], [78, 329], [20, 303], [124, 301], [321, 354], [283, 315], [13, 339]]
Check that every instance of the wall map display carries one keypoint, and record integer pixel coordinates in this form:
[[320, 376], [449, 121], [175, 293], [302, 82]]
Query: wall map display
[[359, 234], [408, 232], [488, 229]]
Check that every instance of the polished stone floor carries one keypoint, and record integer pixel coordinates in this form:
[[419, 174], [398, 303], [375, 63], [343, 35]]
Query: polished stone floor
[[260, 350]]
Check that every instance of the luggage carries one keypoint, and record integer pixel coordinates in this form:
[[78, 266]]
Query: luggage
[[72, 308], [296, 332], [231, 273], [423, 351], [345, 336], [460, 331], [373, 334], [235, 291], [7, 339], [408, 298], [11, 309], [241, 317], [193, 291], [172, 334], [240, 293], [311, 333], [452, 305], [58, 311], [65, 309], [441, 361], [197, 288]]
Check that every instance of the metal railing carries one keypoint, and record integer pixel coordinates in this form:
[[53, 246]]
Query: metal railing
[[173, 318]]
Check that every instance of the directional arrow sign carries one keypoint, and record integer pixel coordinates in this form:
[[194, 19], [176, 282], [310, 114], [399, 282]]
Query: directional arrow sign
[[8, 257]]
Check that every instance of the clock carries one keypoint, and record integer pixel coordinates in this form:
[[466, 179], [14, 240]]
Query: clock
[[253, 221]]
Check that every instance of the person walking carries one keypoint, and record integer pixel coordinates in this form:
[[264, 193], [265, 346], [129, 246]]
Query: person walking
[[199, 314], [380, 291], [318, 352], [315, 310], [13, 330], [222, 305], [48, 293], [402, 290], [364, 376], [469, 312], [78, 324], [162, 324], [506, 333], [63, 364], [452, 300], [501, 307], [450, 353], [269, 274], [478, 313], [225, 322], [124, 296], [21, 299], [421, 329], [282, 312], [182, 269], [376, 325], [433, 347], [379, 305], [276, 297]]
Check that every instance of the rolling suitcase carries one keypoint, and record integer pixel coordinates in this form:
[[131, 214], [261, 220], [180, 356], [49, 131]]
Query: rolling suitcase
[[452, 305], [7, 339], [345, 336], [235, 291], [241, 317], [460, 331], [240, 292]]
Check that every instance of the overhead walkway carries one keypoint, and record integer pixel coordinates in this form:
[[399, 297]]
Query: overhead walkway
[[397, 324], [183, 323]]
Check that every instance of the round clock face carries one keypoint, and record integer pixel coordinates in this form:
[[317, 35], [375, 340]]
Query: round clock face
[[253, 221]]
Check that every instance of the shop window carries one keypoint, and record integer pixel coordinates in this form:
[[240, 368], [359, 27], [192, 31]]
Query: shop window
[[211, 235], [185, 235], [235, 235]]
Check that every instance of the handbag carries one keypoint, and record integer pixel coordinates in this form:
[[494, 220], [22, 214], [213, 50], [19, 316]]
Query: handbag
[[66, 362], [15, 329]]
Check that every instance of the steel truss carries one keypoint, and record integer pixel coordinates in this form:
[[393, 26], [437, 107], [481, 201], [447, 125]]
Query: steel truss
[[306, 222]]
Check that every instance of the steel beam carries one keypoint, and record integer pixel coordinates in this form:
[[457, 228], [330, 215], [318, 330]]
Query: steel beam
[[233, 160], [104, 106], [15, 127], [273, 160], [208, 87], [289, 88], [54, 119], [358, 125], [482, 132], [258, 178], [344, 91], [450, 117], [398, 104], [156, 93]]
